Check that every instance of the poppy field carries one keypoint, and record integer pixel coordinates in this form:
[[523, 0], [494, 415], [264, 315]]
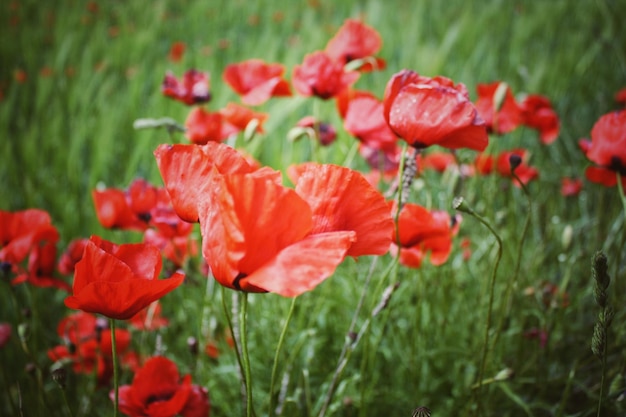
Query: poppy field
[[335, 208]]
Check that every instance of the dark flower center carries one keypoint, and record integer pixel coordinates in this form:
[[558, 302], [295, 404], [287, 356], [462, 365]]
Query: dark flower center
[[618, 166]]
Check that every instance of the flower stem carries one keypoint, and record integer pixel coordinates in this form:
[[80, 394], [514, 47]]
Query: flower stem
[[244, 351], [460, 205], [231, 327], [281, 341], [115, 375]]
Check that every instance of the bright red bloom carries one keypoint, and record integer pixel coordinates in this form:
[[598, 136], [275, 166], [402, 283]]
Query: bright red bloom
[[386, 161], [437, 161], [119, 281], [537, 113], [524, 172], [607, 149], [177, 50], [256, 81], [158, 391], [192, 89], [343, 200], [240, 116], [363, 118], [87, 345], [483, 164], [325, 132], [257, 238], [319, 75], [114, 211], [498, 108], [433, 111], [356, 41], [422, 232], [204, 126], [5, 334], [571, 187], [29, 235]]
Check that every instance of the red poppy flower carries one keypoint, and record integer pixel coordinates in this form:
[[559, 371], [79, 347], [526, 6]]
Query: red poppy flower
[[356, 41], [319, 75], [158, 390], [114, 211], [537, 113], [177, 50], [437, 161], [571, 187], [343, 200], [257, 238], [607, 149], [433, 111], [387, 160], [204, 126], [524, 172], [483, 164], [192, 89], [363, 118], [87, 345], [256, 81], [498, 108], [423, 232], [5, 334], [240, 116], [187, 172], [324, 132], [119, 281], [149, 318]]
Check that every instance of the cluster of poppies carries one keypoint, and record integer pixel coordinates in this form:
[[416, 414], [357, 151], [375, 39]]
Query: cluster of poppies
[[259, 234]]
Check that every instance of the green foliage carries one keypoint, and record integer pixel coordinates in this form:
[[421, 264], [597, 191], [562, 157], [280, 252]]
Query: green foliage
[[65, 133]]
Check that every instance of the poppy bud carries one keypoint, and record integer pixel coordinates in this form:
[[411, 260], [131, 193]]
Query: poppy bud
[[566, 237], [192, 344], [23, 331], [514, 160]]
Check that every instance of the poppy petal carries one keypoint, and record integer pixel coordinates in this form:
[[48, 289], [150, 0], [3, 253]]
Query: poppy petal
[[304, 265]]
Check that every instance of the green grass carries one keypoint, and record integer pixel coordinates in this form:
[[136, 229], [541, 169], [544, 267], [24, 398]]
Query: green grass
[[64, 134]]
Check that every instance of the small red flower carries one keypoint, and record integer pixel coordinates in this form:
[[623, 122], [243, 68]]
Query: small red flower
[[363, 118], [437, 161], [149, 318], [607, 149], [325, 132], [204, 126], [319, 75], [620, 96], [192, 89], [537, 113], [87, 345], [498, 108], [433, 111], [158, 390], [524, 172], [177, 50], [422, 232], [119, 281], [240, 116], [356, 41], [571, 187], [256, 81]]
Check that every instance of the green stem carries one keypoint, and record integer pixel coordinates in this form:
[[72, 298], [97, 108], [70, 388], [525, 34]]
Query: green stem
[[281, 341], [231, 327], [115, 375], [460, 205], [244, 351]]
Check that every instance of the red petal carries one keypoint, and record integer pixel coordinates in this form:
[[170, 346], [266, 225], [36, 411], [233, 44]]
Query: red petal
[[302, 266]]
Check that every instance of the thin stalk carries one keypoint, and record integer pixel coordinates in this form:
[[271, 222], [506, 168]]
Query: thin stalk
[[244, 351], [231, 327], [115, 375], [281, 341], [460, 205]]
